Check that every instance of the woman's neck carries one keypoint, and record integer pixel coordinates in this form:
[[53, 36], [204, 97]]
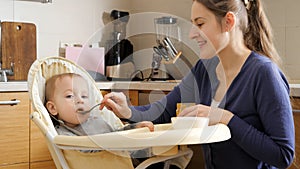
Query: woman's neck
[[234, 56], [231, 62]]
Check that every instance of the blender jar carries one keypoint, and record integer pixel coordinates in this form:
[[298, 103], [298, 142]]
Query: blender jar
[[167, 27]]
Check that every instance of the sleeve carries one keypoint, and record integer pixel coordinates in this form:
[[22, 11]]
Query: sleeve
[[276, 144], [158, 112], [161, 111]]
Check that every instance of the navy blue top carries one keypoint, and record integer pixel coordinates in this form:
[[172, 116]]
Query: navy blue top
[[262, 128]]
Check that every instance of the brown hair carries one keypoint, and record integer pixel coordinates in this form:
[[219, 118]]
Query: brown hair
[[50, 84], [252, 21]]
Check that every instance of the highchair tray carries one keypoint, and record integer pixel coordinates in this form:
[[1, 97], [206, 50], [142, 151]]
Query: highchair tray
[[163, 135]]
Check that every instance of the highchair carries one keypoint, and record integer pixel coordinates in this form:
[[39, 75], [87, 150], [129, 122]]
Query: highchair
[[66, 150]]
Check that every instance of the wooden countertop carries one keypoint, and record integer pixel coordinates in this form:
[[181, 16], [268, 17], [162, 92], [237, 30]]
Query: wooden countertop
[[21, 86], [135, 85]]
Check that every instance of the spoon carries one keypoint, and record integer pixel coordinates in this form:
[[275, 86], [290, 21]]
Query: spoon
[[87, 111]]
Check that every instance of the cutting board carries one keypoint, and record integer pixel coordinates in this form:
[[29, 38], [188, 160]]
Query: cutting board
[[18, 46]]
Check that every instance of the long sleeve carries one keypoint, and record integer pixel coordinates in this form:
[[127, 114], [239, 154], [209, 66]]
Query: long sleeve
[[275, 145], [262, 129], [161, 111], [189, 90]]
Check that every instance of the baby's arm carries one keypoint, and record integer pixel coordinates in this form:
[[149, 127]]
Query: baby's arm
[[148, 124]]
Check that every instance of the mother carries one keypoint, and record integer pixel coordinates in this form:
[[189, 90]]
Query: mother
[[236, 82]]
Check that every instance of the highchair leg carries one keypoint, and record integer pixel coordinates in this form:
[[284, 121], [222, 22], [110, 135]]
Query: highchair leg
[[181, 159], [167, 164]]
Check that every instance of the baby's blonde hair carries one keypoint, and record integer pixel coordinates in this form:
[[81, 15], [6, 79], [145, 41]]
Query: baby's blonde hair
[[50, 84]]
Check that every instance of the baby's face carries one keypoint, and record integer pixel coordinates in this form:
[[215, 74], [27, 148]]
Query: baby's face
[[70, 96]]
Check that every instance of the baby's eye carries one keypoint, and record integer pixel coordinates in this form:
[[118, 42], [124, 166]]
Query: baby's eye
[[85, 97], [69, 96]]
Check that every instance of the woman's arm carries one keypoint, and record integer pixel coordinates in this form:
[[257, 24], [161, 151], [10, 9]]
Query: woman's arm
[[275, 143]]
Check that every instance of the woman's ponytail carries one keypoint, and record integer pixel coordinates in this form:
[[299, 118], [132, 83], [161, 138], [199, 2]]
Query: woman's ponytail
[[258, 34]]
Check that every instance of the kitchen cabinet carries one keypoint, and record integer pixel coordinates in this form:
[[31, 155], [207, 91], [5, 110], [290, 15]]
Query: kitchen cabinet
[[15, 166], [296, 106], [21, 143], [39, 154], [14, 138], [49, 164]]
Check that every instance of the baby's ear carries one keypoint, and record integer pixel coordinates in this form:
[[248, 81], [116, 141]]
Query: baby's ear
[[51, 108]]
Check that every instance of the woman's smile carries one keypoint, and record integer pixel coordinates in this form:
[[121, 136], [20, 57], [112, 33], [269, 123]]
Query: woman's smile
[[202, 43]]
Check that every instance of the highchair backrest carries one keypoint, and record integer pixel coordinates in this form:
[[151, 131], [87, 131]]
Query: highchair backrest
[[40, 71]]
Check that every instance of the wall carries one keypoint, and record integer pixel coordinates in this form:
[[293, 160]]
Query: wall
[[70, 21], [143, 32], [284, 19], [75, 21], [283, 16]]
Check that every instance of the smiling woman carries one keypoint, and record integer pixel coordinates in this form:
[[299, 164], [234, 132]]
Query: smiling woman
[[235, 82]]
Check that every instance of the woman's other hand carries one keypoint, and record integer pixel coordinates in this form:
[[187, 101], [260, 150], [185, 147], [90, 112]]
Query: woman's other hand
[[116, 102], [215, 115]]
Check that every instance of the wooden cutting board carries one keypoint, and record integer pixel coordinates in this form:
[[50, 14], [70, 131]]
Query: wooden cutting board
[[18, 45]]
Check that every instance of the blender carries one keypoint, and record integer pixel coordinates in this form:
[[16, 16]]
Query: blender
[[167, 39], [118, 59]]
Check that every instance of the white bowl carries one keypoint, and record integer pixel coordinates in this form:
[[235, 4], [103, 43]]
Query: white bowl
[[189, 122]]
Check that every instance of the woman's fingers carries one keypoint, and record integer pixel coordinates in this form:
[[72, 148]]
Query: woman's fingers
[[197, 110], [106, 102]]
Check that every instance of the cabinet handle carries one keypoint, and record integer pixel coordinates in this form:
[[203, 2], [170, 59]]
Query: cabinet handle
[[296, 111], [10, 102]]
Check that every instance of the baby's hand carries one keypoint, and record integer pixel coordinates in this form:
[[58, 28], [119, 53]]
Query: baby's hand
[[148, 124]]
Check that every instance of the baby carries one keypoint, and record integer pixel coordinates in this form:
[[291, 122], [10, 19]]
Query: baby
[[66, 96]]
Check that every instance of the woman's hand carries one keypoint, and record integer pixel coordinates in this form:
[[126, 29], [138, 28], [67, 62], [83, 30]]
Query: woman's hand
[[215, 115], [116, 102], [148, 124]]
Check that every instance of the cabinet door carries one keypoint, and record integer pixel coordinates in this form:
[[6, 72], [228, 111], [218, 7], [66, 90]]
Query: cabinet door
[[14, 138], [38, 146], [43, 165], [16, 166], [296, 106], [40, 156]]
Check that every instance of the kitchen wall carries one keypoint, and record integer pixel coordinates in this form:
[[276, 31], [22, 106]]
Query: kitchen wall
[[284, 17], [76, 21], [143, 43], [66, 21]]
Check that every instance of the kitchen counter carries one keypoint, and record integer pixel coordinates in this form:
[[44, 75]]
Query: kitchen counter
[[20, 86], [295, 90]]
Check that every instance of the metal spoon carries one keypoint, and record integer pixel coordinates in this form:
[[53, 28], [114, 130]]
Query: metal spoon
[[87, 111]]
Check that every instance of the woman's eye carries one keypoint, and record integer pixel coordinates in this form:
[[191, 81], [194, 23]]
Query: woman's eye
[[199, 25]]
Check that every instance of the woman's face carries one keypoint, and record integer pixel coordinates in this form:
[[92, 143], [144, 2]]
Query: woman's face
[[207, 31]]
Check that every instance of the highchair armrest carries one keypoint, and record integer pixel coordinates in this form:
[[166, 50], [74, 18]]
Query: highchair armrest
[[36, 118]]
